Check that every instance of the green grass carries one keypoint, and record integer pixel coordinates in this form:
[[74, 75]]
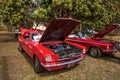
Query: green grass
[[18, 66]]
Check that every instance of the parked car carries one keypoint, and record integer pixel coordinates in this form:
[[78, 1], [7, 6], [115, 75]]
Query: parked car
[[95, 44], [48, 49]]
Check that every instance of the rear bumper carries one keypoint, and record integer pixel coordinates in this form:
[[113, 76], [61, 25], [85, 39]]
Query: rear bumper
[[60, 65]]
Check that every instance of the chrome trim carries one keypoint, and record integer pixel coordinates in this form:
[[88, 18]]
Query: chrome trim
[[64, 63], [109, 50], [71, 57]]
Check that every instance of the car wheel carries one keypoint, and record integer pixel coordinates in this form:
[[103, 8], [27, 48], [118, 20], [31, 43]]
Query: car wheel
[[95, 52], [20, 48], [117, 46], [37, 65]]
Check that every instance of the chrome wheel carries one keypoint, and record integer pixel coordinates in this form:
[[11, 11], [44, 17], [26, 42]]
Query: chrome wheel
[[95, 52], [37, 65], [117, 45]]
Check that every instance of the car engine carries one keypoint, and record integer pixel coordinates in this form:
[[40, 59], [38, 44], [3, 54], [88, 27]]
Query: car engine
[[64, 50]]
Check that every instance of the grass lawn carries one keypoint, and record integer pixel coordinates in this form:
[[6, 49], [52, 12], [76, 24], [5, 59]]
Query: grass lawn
[[18, 66]]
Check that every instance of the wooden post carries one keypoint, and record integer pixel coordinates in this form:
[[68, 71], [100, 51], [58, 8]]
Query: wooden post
[[80, 27]]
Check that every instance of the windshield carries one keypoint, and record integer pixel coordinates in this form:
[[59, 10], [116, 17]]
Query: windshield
[[36, 36], [85, 34]]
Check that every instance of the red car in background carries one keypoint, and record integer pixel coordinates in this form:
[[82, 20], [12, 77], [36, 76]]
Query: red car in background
[[48, 49], [96, 46]]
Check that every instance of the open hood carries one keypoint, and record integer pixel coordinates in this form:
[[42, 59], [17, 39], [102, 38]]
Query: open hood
[[107, 30], [58, 29]]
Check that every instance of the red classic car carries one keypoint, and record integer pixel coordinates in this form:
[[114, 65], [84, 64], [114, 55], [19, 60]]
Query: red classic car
[[48, 49], [94, 43]]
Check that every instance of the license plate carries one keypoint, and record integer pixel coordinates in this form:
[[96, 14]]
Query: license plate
[[70, 65]]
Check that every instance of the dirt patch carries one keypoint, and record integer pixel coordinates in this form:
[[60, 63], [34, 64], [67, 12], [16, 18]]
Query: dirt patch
[[5, 73]]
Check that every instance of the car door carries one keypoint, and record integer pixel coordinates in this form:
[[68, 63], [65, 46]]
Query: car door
[[29, 46], [85, 38], [26, 42], [84, 41]]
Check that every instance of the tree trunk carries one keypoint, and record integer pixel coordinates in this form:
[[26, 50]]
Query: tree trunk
[[80, 27], [60, 12]]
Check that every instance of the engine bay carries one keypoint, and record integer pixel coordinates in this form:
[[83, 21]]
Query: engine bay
[[64, 50]]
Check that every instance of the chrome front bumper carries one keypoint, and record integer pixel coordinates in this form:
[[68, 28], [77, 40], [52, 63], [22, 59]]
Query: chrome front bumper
[[61, 64], [114, 50]]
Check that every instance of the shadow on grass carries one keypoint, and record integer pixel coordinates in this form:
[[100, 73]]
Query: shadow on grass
[[8, 40], [5, 73], [28, 59], [109, 57], [45, 72]]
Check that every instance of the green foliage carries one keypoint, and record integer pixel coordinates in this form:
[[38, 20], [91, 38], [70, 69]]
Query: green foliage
[[91, 13], [41, 14], [94, 13], [16, 12]]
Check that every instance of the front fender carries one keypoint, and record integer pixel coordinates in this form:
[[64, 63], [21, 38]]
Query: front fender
[[41, 52]]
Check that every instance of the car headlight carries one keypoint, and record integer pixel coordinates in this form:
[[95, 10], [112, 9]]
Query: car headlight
[[84, 50], [48, 58], [107, 47]]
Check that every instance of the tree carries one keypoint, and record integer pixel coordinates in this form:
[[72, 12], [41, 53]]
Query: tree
[[91, 13], [94, 13], [0, 9], [116, 17], [17, 12]]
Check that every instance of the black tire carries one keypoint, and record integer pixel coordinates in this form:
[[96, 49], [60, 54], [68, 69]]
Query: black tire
[[95, 52], [117, 46], [20, 48], [37, 66]]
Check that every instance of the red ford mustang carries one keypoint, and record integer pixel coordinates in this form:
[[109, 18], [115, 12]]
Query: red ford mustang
[[95, 44], [48, 49]]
